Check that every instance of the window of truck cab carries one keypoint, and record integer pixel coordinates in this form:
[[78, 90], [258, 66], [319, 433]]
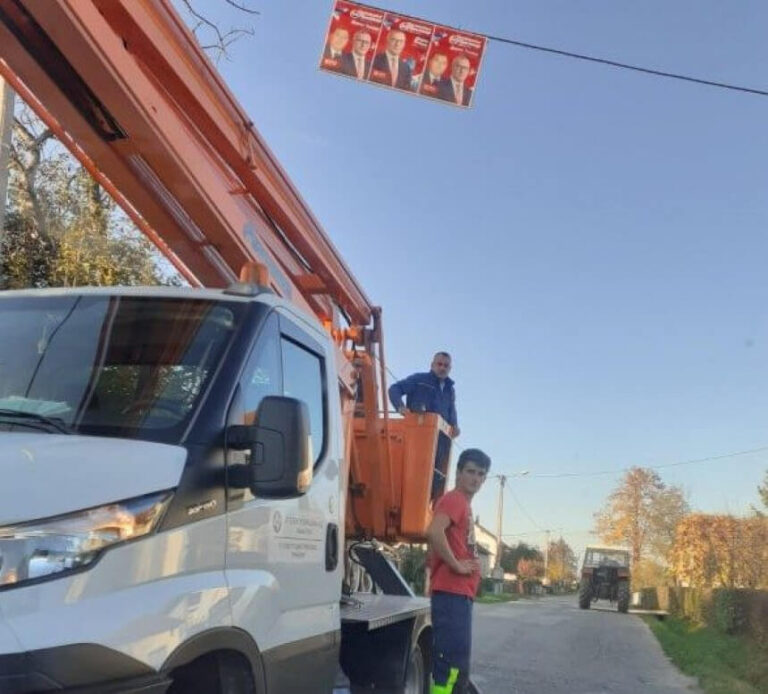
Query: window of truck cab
[[285, 360], [107, 365]]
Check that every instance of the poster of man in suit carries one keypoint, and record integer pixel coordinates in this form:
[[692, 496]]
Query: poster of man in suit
[[432, 79], [462, 54], [404, 53], [455, 88], [401, 53], [357, 63], [333, 55], [352, 35]]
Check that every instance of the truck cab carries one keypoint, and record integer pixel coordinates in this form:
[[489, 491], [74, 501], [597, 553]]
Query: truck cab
[[172, 492]]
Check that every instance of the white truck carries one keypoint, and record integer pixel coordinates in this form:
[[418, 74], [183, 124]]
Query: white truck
[[151, 538]]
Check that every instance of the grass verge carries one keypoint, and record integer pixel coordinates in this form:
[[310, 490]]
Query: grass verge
[[491, 599], [723, 664]]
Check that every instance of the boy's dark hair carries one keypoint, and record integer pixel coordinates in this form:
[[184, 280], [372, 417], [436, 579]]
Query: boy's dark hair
[[473, 455]]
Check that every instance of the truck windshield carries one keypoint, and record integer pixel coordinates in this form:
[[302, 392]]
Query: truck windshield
[[606, 557], [130, 367]]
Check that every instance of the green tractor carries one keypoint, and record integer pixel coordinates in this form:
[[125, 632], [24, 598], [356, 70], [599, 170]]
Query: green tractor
[[605, 576]]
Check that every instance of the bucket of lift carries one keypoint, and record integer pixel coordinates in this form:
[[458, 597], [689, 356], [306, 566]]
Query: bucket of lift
[[394, 461]]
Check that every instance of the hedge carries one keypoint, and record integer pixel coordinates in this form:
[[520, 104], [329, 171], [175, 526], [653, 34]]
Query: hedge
[[730, 611]]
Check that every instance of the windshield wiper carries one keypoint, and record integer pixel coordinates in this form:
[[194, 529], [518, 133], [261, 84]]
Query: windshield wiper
[[32, 419]]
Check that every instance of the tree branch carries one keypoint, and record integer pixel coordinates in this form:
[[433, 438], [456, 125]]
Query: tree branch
[[42, 138], [23, 132], [242, 8], [222, 39]]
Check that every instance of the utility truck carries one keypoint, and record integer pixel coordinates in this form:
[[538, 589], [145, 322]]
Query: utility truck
[[196, 481]]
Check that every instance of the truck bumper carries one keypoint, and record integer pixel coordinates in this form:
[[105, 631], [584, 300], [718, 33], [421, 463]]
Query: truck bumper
[[78, 669]]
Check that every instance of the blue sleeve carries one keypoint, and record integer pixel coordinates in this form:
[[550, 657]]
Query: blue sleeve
[[453, 418], [400, 389]]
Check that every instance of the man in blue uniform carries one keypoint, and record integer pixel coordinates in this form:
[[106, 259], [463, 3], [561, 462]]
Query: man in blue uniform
[[432, 391]]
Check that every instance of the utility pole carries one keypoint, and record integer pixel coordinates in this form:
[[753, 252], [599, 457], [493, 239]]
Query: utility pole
[[498, 571], [546, 555], [499, 521], [6, 131]]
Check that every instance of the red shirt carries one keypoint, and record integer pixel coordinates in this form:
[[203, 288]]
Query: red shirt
[[461, 539]]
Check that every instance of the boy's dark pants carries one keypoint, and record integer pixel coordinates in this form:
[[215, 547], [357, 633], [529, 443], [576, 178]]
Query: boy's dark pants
[[452, 633]]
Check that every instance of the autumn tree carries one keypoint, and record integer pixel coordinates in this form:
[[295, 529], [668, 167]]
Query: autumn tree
[[530, 569], [561, 567], [667, 510], [642, 514], [719, 551]]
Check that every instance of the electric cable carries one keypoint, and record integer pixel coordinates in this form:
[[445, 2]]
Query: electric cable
[[627, 66]]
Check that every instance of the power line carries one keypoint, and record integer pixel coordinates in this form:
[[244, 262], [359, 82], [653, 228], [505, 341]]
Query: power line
[[627, 66], [524, 510], [618, 471], [616, 64]]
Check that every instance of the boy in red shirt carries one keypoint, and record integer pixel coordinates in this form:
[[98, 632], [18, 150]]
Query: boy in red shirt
[[455, 575]]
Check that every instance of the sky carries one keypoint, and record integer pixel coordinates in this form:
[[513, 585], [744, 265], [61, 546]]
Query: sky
[[589, 243]]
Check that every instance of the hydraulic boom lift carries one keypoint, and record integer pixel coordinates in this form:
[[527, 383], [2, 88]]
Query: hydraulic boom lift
[[126, 87]]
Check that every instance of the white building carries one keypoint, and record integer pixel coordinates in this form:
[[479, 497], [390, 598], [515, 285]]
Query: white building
[[486, 548]]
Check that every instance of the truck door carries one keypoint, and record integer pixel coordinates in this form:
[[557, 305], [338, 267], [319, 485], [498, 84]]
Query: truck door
[[284, 592]]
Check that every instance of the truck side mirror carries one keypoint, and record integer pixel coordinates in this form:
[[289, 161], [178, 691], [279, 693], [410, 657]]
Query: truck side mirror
[[281, 448]]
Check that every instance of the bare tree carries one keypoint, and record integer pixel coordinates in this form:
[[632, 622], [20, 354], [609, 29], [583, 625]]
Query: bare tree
[[209, 32]]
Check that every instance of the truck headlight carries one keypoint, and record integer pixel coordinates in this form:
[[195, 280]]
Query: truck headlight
[[34, 550]]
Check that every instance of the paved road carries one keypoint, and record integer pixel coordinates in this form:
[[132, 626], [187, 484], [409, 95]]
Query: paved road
[[549, 646]]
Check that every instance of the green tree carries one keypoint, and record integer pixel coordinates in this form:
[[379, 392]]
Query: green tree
[[26, 256], [62, 229], [511, 556], [413, 561]]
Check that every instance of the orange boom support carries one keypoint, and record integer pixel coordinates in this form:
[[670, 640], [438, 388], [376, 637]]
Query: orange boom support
[[126, 87]]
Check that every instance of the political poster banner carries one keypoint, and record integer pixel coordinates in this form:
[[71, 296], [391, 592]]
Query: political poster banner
[[403, 53]]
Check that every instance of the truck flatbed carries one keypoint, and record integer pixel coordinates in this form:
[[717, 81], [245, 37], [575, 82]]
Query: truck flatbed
[[372, 611]]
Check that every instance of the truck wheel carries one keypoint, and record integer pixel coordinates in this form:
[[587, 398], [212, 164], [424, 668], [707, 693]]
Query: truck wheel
[[585, 597], [217, 673], [623, 596], [416, 675]]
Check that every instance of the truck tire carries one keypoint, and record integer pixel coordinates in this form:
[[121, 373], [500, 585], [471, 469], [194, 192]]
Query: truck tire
[[416, 675], [585, 596], [623, 596], [217, 673]]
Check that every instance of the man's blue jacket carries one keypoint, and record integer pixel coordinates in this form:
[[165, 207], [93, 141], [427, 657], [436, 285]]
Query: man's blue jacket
[[423, 394]]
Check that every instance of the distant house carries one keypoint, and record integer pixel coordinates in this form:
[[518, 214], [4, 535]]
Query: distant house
[[486, 548], [486, 560]]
